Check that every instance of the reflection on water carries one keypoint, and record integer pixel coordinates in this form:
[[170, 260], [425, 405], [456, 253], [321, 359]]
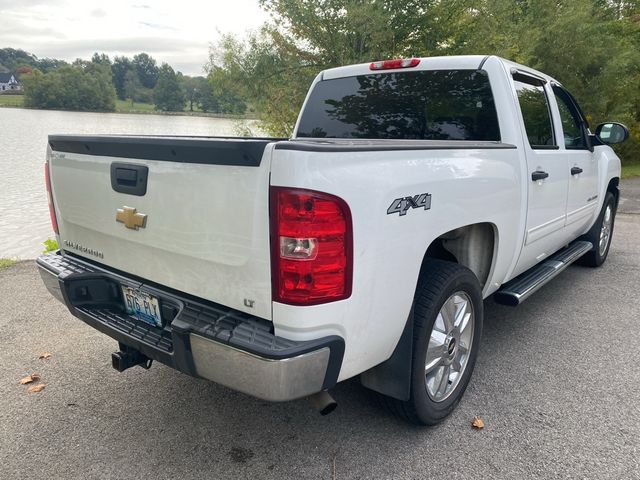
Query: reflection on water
[[24, 215]]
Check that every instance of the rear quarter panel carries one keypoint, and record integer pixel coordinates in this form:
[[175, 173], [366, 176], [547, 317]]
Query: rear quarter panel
[[467, 186]]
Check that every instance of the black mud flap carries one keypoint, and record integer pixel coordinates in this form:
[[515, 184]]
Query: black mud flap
[[393, 376]]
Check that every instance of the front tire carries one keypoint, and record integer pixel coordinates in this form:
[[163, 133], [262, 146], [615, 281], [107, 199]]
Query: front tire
[[601, 234], [448, 314]]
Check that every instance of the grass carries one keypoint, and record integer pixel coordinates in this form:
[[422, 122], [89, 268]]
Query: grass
[[124, 106], [50, 245], [6, 263], [11, 100], [629, 171]]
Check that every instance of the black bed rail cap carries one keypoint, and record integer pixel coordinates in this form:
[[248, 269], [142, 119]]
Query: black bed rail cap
[[235, 151]]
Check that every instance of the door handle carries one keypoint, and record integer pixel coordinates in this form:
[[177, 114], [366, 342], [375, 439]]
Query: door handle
[[539, 175], [576, 170]]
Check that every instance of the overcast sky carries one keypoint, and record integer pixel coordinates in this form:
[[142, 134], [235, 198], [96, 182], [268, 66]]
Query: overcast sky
[[177, 32]]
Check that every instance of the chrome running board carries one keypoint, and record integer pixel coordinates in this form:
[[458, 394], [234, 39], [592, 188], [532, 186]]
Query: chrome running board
[[516, 291]]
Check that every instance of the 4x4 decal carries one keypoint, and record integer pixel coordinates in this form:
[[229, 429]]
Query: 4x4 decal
[[402, 205]]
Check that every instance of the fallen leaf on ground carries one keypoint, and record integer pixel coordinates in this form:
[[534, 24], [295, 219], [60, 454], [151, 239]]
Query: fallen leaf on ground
[[36, 388], [44, 355], [477, 423], [34, 377]]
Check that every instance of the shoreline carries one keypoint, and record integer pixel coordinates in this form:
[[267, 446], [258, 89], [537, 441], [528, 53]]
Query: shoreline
[[142, 112]]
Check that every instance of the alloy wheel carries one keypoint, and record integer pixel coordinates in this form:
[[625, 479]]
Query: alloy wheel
[[449, 346]]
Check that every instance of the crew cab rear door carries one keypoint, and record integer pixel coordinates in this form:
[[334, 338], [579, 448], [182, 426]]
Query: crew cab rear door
[[547, 171]]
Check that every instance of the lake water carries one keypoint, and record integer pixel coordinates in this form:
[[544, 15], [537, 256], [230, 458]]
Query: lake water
[[24, 214]]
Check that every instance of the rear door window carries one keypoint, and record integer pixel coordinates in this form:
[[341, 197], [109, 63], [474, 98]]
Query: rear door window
[[535, 112], [418, 105]]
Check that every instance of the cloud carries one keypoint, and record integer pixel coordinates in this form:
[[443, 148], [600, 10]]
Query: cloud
[[183, 55], [18, 32], [178, 34], [158, 26], [23, 3], [124, 45]]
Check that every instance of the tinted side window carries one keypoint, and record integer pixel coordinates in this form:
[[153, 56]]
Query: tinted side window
[[535, 113], [574, 137], [418, 105]]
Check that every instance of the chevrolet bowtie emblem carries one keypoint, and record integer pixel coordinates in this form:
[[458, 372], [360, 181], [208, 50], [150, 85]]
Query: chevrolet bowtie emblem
[[130, 218]]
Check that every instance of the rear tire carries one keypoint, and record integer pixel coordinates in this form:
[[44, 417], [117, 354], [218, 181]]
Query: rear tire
[[601, 234], [448, 314]]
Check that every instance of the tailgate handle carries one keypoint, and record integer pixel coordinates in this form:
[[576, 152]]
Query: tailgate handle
[[129, 178]]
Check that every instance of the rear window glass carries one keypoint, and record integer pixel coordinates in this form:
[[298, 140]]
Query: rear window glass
[[422, 105]]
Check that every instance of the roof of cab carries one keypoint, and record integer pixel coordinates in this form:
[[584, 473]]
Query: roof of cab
[[462, 62]]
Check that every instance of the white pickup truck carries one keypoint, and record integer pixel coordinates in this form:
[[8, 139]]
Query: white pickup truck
[[410, 191]]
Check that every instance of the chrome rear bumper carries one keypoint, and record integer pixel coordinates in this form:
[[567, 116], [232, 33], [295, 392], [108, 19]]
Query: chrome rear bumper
[[274, 380]]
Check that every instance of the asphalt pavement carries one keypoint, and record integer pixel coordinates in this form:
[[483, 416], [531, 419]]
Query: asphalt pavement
[[630, 196], [557, 384]]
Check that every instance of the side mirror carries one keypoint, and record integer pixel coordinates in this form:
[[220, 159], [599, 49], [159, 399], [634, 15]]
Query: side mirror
[[611, 132]]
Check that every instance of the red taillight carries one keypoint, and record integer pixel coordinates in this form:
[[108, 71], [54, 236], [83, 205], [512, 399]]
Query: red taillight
[[52, 210], [397, 63], [311, 245]]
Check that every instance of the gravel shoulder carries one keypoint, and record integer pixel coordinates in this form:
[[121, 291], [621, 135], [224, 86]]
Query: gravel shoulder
[[557, 384]]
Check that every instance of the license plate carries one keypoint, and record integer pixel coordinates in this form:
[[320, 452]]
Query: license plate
[[143, 306]]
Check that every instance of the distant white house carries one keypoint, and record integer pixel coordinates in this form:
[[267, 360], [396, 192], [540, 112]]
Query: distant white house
[[9, 82]]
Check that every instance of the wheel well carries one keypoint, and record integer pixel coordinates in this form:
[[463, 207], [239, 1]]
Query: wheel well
[[472, 246]]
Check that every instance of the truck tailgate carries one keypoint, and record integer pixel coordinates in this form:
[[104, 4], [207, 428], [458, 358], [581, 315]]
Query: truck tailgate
[[206, 207]]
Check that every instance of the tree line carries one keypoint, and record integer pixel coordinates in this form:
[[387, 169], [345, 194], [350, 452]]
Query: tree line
[[591, 46], [95, 84]]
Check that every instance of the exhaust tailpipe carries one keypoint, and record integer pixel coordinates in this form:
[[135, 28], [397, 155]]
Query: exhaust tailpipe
[[322, 402]]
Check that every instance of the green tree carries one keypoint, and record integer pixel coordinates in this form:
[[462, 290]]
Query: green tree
[[191, 90], [101, 59], [206, 100], [73, 87], [131, 86], [11, 59], [272, 70], [168, 93], [227, 100], [47, 65], [147, 69], [199, 93], [591, 46], [119, 69]]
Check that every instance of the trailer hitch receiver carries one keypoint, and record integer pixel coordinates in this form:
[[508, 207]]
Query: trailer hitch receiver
[[128, 357]]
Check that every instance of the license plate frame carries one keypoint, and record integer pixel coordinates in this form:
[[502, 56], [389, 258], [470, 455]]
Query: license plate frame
[[142, 305]]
